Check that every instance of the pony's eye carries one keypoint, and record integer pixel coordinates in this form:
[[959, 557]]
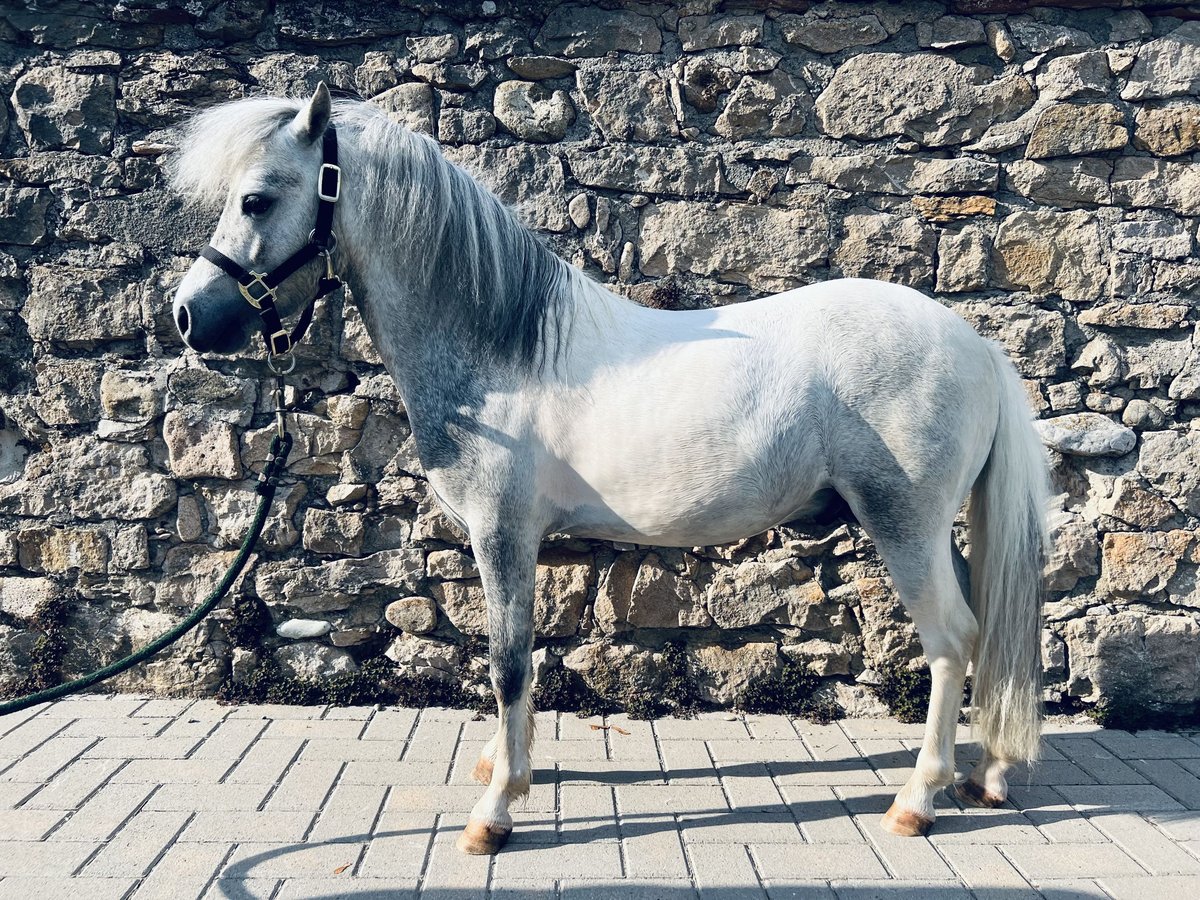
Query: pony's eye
[[256, 204]]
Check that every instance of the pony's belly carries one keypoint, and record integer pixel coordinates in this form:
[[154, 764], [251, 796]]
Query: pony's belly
[[659, 517]]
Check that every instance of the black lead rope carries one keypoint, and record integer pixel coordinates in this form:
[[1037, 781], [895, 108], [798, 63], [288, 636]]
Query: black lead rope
[[268, 481], [259, 290]]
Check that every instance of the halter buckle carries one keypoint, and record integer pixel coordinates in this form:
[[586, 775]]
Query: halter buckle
[[280, 342], [257, 289], [334, 170]]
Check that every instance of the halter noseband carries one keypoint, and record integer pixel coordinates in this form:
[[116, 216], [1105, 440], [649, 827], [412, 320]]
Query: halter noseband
[[259, 287]]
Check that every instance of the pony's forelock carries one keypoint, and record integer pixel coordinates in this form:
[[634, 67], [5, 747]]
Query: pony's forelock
[[217, 145]]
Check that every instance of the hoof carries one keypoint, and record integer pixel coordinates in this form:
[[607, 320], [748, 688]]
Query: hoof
[[974, 794], [479, 839], [906, 823], [483, 771]]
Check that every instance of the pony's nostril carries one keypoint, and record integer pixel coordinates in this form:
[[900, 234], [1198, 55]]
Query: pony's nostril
[[181, 321]]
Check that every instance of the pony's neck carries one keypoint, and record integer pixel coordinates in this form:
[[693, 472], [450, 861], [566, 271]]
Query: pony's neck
[[473, 295]]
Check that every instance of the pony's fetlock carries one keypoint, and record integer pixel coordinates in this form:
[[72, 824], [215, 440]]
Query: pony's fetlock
[[986, 786]]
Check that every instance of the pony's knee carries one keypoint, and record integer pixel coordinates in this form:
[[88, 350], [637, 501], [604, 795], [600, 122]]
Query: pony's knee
[[511, 671]]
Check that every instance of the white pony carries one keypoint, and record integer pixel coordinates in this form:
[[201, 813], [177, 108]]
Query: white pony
[[541, 402]]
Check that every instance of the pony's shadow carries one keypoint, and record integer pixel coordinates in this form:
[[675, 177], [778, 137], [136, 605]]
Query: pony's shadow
[[541, 832]]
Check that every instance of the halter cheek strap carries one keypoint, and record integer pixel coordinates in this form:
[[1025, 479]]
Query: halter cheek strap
[[259, 288]]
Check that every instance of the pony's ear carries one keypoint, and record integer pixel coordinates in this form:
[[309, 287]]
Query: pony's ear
[[311, 121]]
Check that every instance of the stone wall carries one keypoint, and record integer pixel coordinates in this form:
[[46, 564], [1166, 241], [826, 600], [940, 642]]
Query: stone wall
[[1037, 170]]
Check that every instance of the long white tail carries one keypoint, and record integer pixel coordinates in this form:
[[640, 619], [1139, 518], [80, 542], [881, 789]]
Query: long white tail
[[1008, 547]]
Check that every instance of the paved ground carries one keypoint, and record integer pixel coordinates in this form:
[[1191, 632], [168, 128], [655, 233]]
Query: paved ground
[[130, 798]]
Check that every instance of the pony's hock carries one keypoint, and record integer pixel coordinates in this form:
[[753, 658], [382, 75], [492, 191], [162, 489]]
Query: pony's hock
[[541, 403]]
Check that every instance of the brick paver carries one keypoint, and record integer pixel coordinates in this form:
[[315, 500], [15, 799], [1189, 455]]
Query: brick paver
[[134, 798]]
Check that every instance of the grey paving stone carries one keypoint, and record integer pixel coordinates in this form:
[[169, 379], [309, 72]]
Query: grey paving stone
[[174, 707], [349, 812], [266, 801], [798, 889], [1157, 853], [261, 860], [822, 816], [356, 713], [42, 764], [628, 889], [818, 861], [1148, 745], [398, 847], [390, 725], [897, 890], [635, 798], [905, 858], [748, 786], [1042, 861], [1181, 825], [1096, 760], [209, 797], [890, 758], [13, 794], [1173, 778], [567, 862], [986, 869], [43, 858], [74, 784], [266, 759], [778, 728], [124, 727], [1072, 889], [94, 706], [344, 749], [348, 886], [315, 728], [705, 727], [724, 871], [1170, 887], [29, 734], [164, 771], [305, 785], [137, 845], [229, 736], [28, 824], [103, 813], [739, 828], [653, 853], [688, 762], [242, 889], [142, 748], [82, 888], [184, 870], [887, 729], [268, 712], [250, 825], [587, 813], [1140, 797]]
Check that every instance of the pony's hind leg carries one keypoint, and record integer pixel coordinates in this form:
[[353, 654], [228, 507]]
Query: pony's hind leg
[[507, 563], [987, 785], [930, 591]]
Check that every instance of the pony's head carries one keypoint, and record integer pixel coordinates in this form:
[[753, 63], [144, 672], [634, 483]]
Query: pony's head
[[258, 161]]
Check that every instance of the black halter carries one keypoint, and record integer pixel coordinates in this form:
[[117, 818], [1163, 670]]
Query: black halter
[[259, 287]]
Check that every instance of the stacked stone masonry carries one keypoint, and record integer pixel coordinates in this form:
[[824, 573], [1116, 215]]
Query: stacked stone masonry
[[1035, 169]]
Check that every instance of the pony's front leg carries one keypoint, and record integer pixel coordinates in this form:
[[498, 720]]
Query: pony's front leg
[[507, 563]]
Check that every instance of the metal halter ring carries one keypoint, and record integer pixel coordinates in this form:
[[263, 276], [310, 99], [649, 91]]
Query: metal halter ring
[[276, 368], [329, 245]]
